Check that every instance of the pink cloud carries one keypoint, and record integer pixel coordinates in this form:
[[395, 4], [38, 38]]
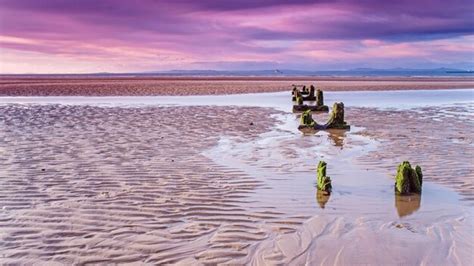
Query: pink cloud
[[154, 35]]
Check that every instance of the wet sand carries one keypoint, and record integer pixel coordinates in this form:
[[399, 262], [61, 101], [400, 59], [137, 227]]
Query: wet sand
[[434, 229], [143, 86], [113, 185], [235, 185], [440, 138]]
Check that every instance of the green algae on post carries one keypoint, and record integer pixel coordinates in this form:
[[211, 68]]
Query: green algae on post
[[299, 100], [324, 182], [408, 180], [336, 120], [307, 119], [296, 95]]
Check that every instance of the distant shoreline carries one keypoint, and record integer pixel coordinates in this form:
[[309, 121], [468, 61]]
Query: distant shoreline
[[273, 73]]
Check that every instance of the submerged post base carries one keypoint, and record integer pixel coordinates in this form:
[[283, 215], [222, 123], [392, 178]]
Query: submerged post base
[[324, 127], [314, 108]]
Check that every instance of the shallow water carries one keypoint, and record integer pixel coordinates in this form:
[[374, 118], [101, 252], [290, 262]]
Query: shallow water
[[363, 197], [286, 161], [377, 99]]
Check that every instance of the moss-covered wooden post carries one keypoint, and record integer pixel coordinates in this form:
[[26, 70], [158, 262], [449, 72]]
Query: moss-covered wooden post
[[311, 93], [298, 97], [296, 94], [307, 119], [324, 182], [408, 180], [336, 119], [319, 98], [299, 100]]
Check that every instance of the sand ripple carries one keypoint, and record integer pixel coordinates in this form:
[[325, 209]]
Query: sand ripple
[[84, 184], [121, 185]]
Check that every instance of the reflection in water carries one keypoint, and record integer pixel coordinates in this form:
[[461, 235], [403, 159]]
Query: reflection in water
[[407, 204], [322, 197], [337, 137], [308, 131]]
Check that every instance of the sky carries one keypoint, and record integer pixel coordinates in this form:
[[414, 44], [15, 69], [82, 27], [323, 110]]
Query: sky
[[88, 36]]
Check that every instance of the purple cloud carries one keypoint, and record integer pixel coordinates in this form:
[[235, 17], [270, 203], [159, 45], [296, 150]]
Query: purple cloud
[[184, 33]]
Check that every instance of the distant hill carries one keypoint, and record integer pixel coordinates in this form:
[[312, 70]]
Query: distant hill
[[408, 71], [358, 72], [350, 72]]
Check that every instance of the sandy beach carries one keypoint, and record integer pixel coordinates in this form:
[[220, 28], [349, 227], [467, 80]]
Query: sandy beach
[[185, 185], [143, 86]]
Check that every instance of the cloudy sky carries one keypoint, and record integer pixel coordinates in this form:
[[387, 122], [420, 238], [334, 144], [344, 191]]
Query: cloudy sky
[[69, 36]]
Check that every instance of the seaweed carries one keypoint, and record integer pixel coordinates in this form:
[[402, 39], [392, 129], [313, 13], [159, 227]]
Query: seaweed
[[408, 180], [335, 121], [323, 181], [297, 96], [307, 119], [299, 100]]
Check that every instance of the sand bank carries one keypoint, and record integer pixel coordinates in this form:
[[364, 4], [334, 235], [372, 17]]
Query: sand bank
[[140, 86]]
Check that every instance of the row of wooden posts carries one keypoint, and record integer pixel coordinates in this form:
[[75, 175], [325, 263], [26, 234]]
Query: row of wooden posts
[[336, 118], [407, 180]]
